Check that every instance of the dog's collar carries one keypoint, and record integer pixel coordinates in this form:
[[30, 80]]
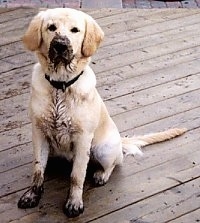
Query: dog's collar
[[62, 84]]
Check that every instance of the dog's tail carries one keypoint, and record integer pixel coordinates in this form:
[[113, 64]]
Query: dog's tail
[[133, 145]]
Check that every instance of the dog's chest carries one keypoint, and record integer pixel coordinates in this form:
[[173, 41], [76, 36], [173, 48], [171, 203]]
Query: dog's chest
[[58, 123]]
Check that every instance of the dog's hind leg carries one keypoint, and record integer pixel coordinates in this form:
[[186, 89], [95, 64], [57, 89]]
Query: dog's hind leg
[[108, 155], [32, 196]]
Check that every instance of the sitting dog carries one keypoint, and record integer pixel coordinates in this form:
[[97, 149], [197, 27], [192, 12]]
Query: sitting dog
[[69, 118]]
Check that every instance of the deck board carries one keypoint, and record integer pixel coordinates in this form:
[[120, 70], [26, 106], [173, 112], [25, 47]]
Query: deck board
[[149, 76]]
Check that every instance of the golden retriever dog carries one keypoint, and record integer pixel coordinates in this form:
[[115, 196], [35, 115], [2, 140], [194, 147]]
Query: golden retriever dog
[[69, 118]]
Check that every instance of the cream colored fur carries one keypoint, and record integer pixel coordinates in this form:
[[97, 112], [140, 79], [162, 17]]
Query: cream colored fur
[[75, 123]]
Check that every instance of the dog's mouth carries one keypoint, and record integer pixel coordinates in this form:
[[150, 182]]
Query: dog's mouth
[[60, 51]]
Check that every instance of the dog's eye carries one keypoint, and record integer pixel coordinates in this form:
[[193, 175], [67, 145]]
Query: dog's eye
[[75, 30], [52, 28]]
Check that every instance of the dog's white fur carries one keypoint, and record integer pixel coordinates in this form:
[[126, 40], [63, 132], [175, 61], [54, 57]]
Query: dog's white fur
[[75, 123]]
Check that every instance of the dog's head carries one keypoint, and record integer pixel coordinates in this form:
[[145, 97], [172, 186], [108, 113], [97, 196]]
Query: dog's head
[[63, 34]]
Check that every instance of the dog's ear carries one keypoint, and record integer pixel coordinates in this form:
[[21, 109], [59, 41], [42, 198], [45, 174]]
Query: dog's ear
[[33, 36], [93, 37]]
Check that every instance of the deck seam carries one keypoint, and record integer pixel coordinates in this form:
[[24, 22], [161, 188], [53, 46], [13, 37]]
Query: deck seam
[[186, 213], [153, 86], [168, 116]]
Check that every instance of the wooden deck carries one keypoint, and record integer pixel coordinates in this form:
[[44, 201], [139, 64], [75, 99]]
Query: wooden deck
[[148, 72]]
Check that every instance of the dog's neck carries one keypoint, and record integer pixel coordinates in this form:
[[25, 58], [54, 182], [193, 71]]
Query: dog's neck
[[62, 84]]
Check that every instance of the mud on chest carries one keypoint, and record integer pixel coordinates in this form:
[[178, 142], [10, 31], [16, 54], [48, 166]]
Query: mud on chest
[[57, 123]]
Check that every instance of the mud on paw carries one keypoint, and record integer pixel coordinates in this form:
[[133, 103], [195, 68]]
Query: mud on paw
[[30, 198], [73, 209]]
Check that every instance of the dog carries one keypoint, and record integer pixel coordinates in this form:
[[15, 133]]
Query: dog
[[69, 118]]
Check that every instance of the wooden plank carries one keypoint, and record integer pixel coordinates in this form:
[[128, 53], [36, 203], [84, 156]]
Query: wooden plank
[[14, 137], [143, 17], [19, 23], [16, 61], [18, 115], [100, 13], [12, 49], [10, 87], [17, 13], [186, 202], [102, 4], [112, 196], [163, 109], [160, 208], [188, 119], [15, 157], [5, 10], [188, 217], [130, 15], [14, 182]]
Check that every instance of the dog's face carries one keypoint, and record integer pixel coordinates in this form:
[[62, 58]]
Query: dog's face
[[61, 35]]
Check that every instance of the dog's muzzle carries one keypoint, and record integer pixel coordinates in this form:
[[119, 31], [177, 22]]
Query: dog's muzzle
[[60, 51]]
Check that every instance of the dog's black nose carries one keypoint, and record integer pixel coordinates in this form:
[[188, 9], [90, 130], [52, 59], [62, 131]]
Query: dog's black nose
[[60, 47]]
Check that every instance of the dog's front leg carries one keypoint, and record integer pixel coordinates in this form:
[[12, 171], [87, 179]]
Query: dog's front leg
[[32, 196], [74, 205]]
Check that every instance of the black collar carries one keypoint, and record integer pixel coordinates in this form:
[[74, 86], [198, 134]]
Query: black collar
[[62, 84]]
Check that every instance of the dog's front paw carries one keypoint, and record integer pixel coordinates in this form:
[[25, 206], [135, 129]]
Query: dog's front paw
[[73, 209], [30, 198]]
